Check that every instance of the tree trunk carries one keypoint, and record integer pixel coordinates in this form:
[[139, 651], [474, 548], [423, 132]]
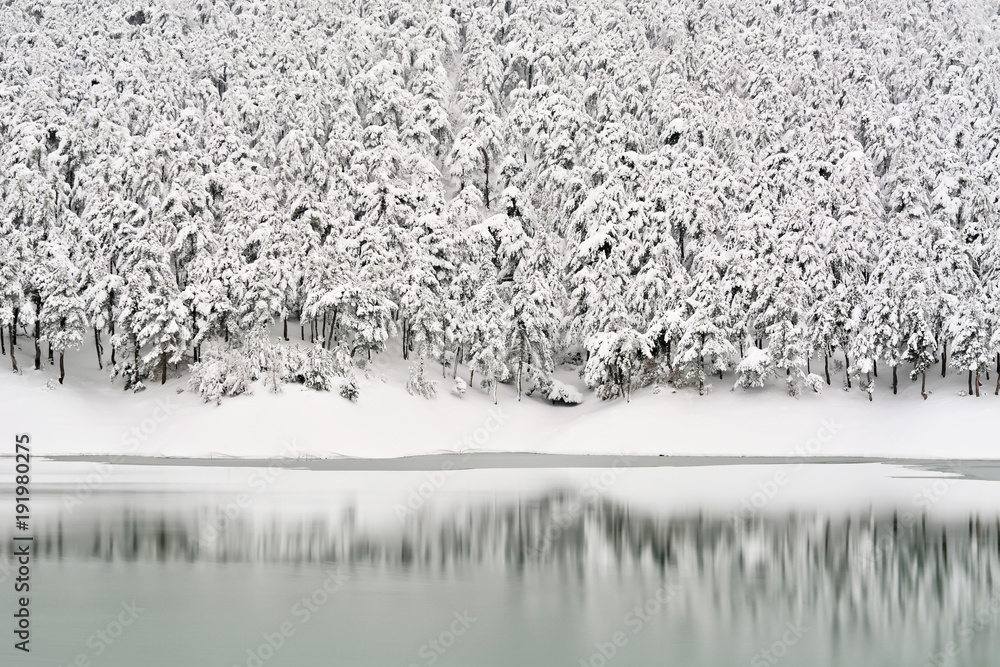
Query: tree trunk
[[997, 392], [520, 366], [944, 360], [471, 373], [97, 344], [302, 330], [3, 348], [871, 391], [923, 385], [62, 367], [13, 359], [826, 368], [977, 385], [51, 361], [329, 338], [163, 368], [875, 368], [13, 328], [486, 169], [970, 383], [847, 368], [458, 358], [284, 328], [38, 348], [895, 381]]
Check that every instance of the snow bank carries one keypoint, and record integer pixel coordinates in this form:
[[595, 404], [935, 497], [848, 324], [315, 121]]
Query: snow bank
[[89, 415]]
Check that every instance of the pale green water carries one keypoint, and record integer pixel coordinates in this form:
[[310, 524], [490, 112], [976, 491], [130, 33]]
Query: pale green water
[[487, 587]]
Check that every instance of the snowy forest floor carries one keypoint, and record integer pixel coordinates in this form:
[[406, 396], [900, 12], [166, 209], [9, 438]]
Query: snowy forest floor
[[90, 415]]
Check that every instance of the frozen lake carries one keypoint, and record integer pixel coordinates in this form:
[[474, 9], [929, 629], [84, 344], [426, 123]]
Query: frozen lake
[[516, 561]]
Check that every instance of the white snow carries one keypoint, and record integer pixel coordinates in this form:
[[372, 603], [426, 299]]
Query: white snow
[[90, 415]]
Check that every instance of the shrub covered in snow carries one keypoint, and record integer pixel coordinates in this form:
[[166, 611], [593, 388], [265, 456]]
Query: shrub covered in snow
[[755, 368], [564, 394], [231, 370], [349, 389], [460, 387], [418, 384], [223, 371]]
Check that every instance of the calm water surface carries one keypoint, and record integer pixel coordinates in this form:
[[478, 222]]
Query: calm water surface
[[152, 566]]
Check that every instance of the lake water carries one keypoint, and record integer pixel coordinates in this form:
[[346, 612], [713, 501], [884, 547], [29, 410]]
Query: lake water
[[605, 563]]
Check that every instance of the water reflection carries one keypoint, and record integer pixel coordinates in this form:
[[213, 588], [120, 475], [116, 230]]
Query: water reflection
[[878, 587]]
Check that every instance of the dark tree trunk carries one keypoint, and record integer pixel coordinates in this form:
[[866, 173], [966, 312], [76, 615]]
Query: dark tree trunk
[[3, 348], [808, 366], [875, 368], [51, 361], [520, 366], [923, 385], [13, 329], [38, 348], [895, 381], [100, 349], [486, 169], [163, 368], [62, 366], [329, 336], [302, 331], [970, 383], [13, 359], [826, 368], [977, 385], [997, 392], [847, 368], [471, 373], [284, 332], [944, 360]]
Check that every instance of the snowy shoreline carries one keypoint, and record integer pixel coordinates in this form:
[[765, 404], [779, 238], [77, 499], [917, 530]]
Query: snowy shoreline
[[91, 416]]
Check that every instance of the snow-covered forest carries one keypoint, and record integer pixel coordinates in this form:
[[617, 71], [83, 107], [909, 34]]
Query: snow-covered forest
[[801, 193]]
